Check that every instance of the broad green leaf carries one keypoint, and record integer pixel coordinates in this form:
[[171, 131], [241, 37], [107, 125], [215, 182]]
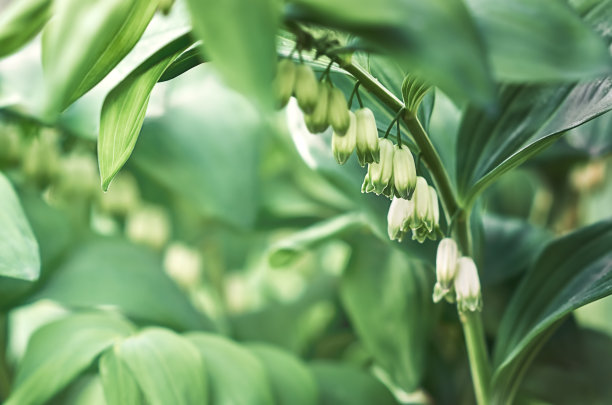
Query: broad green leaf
[[240, 38], [59, 351], [291, 381], [214, 138], [539, 40], [19, 256], [511, 245], [436, 38], [578, 364], [340, 384], [54, 235], [288, 249], [187, 60], [104, 272], [20, 22], [84, 41], [530, 119], [592, 138], [85, 390], [388, 298], [572, 271], [120, 386], [124, 109], [236, 376], [167, 367]]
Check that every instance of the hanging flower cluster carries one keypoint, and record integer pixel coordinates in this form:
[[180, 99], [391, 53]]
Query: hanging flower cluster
[[457, 278]]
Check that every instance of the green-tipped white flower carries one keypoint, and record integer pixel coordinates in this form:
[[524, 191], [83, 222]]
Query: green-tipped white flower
[[380, 174], [435, 213], [467, 286], [337, 114], [421, 203], [367, 137], [306, 88], [284, 82], [344, 145], [404, 172], [446, 268], [400, 211], [317, 121]]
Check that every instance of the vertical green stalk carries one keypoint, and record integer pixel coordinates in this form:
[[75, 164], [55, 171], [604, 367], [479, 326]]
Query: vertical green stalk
[[477, 354]]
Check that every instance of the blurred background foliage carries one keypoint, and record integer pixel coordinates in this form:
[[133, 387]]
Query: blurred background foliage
[[230, 226]]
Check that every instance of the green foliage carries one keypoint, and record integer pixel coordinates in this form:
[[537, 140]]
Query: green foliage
[[60, 351], [21, 22], [108, 31], [572, 271], [231, 260], [19, 257]]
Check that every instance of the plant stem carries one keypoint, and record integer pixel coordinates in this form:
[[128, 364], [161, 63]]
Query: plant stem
[[471, 322], [477, 354]]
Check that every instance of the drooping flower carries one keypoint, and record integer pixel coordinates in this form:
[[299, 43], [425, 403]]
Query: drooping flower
[[306, 88], [338, 112], [380, 174], [467, 286], [368, 150], [399, 214], [344, 145], [404, 172], [446, 268]]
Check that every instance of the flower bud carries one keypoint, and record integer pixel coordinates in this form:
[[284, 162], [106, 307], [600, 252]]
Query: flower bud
[[379, 174], [400, 211], [367, 137], [435, 213], [446, 267], [337, 113], [421, 203], [404, 172], [344, 145], [306, 88], [467, 286], [284, 82], [317, 121]]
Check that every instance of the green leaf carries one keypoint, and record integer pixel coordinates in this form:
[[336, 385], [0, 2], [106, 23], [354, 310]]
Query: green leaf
[[539, 40], [388, 298], [124, 109], [415, 33], [288, 249], [530, 119], [341, 384], [240, 38], [231, 366], [214, 138], [59, 351], [187, 60], [572, 271], [120, 386], [20, 22], [511, 245], [19, 257], [84, 41], [578, 363], [167, 366], [104, 272], [291, 381]]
